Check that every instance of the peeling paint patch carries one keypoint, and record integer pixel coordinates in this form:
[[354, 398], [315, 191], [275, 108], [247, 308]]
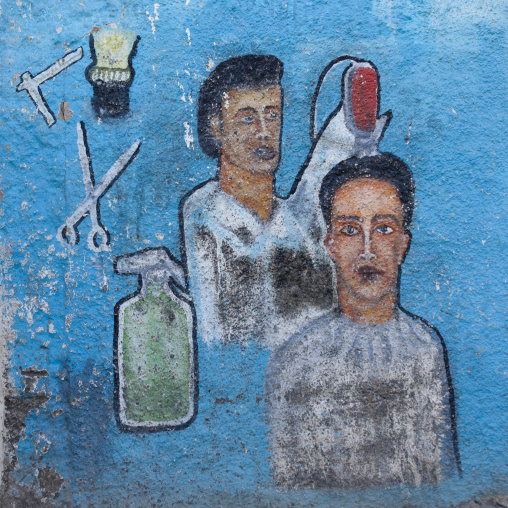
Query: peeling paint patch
[[50, 481], [155, 17], [65, 112], [8, 308], [31, 376], [17, 409]]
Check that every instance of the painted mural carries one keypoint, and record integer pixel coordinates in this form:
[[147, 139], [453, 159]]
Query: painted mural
[[256, 268], [253, 326], [155, 354]]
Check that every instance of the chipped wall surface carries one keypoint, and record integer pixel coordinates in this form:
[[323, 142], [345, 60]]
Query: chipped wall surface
[[172, 333]]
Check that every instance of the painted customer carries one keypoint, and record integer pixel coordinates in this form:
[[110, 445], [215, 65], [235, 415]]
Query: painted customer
[[363, 396]]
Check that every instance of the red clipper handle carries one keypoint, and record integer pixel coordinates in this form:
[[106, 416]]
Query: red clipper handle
[[364, 97]]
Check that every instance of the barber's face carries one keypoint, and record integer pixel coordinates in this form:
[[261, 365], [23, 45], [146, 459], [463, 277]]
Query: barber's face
[[367, 239], [250, 129]]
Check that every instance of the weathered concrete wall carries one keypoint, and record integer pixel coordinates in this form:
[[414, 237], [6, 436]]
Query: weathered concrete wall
[[211, 430]]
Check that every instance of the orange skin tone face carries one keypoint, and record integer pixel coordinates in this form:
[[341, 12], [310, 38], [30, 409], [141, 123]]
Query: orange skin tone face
[[367, 243], [249, 133]]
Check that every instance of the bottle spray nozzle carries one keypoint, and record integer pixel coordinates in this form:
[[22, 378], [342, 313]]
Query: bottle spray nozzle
[[153, 264]]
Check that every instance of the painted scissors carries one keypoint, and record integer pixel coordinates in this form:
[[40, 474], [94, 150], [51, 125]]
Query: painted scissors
[[68, 232]]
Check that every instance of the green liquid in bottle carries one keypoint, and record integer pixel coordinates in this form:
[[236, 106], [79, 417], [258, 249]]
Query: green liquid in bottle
[[156, 359]]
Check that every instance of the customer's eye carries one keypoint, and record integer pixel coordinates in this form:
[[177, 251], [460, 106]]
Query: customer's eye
[[384, 229], [349, 230]]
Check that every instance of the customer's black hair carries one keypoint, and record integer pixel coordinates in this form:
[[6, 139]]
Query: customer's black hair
[[248, 71], [384, 166]]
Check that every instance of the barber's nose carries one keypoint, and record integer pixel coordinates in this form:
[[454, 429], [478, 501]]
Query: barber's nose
[[367, 254], [262, 130]]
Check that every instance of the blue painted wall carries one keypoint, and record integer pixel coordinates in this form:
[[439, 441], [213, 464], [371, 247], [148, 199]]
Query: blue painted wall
[[443, 73]]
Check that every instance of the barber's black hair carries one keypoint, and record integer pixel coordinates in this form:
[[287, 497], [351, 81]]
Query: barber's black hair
[[248, 71], [384, 166]]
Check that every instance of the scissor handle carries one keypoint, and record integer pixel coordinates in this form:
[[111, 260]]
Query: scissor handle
[[67, 234], [93, 237]]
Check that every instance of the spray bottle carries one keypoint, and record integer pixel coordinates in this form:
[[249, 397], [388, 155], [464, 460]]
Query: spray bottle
[[155, 354]]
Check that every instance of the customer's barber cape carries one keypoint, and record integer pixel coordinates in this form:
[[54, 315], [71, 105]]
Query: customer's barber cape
[[256, 280], [354, 405]]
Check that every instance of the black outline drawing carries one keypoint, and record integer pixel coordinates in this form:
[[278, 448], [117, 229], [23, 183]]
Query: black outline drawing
[[451, 390], [68, 233], [32, 84], [180, 293]]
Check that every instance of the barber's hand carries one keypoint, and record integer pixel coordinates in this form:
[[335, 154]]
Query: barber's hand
[[367, 143], [381, 125], [336, 137], [177, 273]]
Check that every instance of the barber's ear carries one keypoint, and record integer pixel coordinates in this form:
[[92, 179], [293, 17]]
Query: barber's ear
[[215, 127]]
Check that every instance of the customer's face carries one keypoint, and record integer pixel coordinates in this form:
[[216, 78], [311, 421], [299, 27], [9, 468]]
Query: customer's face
[[250, 128], [367, 239]]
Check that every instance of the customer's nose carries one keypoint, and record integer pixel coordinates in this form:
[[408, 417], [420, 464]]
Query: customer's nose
[[367, 254]]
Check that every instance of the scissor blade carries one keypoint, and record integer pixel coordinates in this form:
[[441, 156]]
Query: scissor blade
[[115, 170], [84, 159]]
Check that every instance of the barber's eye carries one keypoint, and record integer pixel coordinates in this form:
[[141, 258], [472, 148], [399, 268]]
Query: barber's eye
[[349, 230], [384, 229], [247, 119], [272, 115]]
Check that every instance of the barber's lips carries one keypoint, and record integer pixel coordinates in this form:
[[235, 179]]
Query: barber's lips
[[369, 273], [265, 153]]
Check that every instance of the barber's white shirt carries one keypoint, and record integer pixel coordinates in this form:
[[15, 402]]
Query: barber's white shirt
[[256, 280]]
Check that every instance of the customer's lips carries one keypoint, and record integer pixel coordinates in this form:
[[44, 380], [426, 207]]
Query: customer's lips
[[265, 153], [369, 273]]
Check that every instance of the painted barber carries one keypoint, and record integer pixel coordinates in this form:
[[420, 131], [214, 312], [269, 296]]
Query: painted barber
[[363, 395], [256, 268]]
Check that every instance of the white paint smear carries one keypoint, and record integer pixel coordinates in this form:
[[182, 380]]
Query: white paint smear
[[155, 17], [188, 137]]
